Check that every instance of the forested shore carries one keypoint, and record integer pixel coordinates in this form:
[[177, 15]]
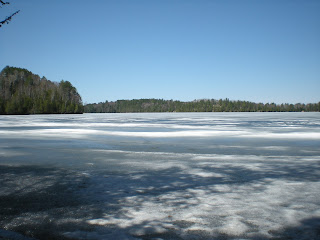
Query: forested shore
[[22, 92], [204, 105]]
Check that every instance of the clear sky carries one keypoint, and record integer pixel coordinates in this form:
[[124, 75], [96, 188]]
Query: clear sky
[[255, 50]]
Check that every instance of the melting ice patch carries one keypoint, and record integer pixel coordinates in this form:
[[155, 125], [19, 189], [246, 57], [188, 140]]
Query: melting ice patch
[[83, 133], [161, 176]]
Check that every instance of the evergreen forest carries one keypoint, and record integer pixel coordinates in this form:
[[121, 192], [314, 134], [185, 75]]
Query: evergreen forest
[[22, 92], [204, 105]]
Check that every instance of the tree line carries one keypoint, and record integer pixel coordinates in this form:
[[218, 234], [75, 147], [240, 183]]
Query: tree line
[[22, 92], [203, 105]]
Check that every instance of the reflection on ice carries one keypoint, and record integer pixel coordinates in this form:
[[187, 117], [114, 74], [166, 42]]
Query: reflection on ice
[[161, 176]]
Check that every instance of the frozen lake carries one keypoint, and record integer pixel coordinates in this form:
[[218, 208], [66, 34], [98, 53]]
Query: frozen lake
[[160, 176]]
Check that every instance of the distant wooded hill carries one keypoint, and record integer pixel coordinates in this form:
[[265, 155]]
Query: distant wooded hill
[[205, 105], [22, 92]]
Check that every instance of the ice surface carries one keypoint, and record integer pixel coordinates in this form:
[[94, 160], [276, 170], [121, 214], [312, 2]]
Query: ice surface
[[161, 176]]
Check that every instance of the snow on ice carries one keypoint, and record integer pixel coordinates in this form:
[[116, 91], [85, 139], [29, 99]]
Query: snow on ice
[[160, 176]]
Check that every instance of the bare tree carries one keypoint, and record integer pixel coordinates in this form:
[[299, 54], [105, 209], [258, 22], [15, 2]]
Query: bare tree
[[7, 19]]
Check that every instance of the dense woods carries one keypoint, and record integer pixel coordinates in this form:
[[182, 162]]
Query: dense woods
[[204, 105], [22, 92]]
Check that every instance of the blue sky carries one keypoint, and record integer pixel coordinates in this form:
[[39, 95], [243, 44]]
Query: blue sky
[[261, 51]]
